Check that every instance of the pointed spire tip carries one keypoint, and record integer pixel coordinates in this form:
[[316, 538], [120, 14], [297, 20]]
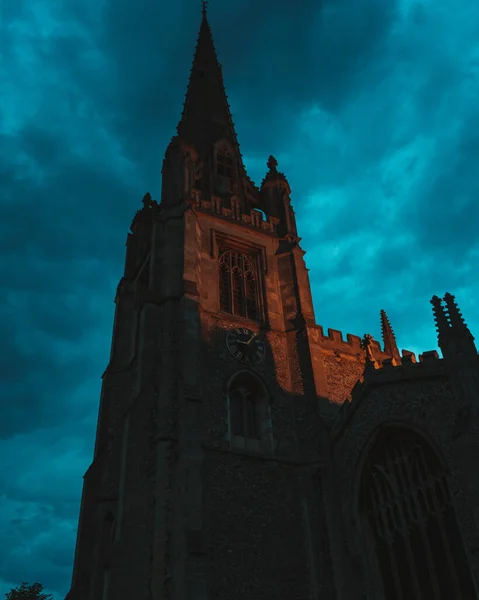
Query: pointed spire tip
[[204, 8], [389, 339]]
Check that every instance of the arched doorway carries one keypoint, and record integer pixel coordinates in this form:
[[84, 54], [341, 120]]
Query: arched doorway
[[409, 522]]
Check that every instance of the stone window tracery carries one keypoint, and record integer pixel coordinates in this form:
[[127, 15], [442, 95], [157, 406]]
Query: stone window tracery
[[410, 520], [238, 282]]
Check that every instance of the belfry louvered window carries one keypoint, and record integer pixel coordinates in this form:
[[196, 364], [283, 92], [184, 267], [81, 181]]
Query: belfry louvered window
[[408, 514], [239, 292], [224, 164]]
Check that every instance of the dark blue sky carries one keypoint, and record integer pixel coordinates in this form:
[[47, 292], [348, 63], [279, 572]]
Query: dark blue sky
[[371, 108]]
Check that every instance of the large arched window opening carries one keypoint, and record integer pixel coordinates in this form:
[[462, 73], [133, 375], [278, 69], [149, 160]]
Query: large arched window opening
[[238, 282], [248, 413], [412, 536]]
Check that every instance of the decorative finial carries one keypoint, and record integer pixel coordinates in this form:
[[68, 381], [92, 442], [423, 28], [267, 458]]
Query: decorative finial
[[147, 200], [272, 163], [366, 343], [146, 213], [204, 6], [442, 322], [458, 324], [455, 315]]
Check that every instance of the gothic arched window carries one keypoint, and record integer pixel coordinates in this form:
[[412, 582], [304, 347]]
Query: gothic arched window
[[224, 163], [408, 517], [249, 418], [239, 292]]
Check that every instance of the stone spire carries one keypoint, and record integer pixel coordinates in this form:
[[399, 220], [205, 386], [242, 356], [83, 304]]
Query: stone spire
[[389, 339], [206, 115]]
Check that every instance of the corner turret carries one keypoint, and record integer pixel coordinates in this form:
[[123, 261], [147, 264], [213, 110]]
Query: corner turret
[[138, 241], [275, 199], [458, 348], [180, 173]]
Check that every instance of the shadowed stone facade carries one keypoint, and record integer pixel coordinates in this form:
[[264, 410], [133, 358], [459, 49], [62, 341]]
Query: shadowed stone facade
[[285, 463]]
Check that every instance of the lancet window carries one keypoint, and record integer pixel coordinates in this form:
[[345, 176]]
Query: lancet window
[[238, 282], [410, 522], [249, 417]]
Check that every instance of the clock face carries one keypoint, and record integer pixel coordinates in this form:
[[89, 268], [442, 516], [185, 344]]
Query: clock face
[[246, 345]]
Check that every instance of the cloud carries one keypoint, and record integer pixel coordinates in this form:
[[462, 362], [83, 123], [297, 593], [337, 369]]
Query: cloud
[[39, 506]]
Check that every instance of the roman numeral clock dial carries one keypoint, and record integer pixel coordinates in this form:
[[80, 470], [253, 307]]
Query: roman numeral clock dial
[[246, 345]]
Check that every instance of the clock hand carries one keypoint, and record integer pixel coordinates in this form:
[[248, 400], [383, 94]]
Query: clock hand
[[250, 340]]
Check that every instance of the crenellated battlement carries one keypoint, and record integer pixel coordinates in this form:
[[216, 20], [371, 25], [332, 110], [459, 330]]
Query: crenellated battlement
[[334, 340], [388, 371], [406, 365], [253, 218]]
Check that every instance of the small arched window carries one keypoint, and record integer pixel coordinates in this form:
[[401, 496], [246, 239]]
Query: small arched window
[[249, 417], [224, 164], [238, 282], [409, 521]]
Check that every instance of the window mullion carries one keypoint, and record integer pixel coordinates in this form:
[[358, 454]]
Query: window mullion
[[401, 493], [444, 538], [244, 299], [245, 416], [231, 284], [385, 513], [420, 519]]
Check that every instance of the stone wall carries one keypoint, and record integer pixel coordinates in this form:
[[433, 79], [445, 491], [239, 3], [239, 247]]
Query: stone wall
[[256, 529]]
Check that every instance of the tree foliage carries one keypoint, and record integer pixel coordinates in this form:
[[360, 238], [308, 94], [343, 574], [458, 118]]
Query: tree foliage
[[25, 591]]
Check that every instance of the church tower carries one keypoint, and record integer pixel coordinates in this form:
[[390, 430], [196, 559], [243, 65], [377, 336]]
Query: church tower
[[208, 403], [241, 452]]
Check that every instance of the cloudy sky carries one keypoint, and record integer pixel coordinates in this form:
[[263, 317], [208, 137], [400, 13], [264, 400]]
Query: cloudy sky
[[372, 110]]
